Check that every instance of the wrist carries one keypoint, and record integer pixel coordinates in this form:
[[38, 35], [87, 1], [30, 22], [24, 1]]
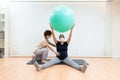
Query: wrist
[[56, 53]]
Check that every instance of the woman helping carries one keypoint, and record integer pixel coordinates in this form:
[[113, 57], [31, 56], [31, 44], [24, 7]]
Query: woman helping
[[41, 50]]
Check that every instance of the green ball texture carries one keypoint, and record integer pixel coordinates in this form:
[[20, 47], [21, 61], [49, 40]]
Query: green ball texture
[[62, 18]]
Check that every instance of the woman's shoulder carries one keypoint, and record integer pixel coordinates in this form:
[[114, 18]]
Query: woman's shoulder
[[58, 42], [66, 42], [43, 41]]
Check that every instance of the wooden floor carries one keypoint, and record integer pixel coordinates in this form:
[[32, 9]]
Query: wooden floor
[[99, 69]]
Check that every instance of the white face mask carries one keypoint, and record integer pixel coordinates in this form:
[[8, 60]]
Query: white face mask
[[62, 39]]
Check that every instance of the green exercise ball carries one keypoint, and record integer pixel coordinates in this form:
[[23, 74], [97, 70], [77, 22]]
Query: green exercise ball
[[62, 18]]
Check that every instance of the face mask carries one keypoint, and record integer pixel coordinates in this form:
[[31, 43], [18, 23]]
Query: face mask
[[62, 39]]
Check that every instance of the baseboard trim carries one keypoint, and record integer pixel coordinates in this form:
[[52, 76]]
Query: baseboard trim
[[70, 56]]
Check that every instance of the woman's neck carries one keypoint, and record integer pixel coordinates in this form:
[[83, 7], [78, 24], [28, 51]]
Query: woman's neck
[[62, 43]]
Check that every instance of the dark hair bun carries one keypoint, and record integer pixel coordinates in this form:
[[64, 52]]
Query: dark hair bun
[[47, 33]]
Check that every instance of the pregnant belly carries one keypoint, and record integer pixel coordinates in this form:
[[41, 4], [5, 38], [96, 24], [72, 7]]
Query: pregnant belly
[[63, 55]]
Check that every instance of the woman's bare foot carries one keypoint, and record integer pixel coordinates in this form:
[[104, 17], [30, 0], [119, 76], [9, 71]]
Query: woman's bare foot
[[83, 69], [37, 66]]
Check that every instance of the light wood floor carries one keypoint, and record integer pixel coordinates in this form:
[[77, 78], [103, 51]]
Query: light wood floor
[[99, 69]]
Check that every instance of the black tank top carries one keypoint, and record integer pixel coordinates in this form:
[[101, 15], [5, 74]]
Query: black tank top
[[62, 49]]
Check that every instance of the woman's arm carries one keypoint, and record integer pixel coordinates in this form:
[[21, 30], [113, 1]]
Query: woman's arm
[[51, 43], [54, 38], [47, 45], [70, 35], [53, 50]]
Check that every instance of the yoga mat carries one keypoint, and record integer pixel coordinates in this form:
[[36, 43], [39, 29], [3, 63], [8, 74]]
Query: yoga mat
[[78, 61]]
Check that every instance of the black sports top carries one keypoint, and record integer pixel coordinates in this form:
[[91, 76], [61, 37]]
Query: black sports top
[[62, 49]]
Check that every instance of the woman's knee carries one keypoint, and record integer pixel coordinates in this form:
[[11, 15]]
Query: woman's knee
[[45, 53], [35, 52], [72, 63], [46, 50]]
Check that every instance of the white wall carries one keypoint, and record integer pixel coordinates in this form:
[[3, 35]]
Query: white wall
[[63, 0], [116, 28], [92, 31]]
